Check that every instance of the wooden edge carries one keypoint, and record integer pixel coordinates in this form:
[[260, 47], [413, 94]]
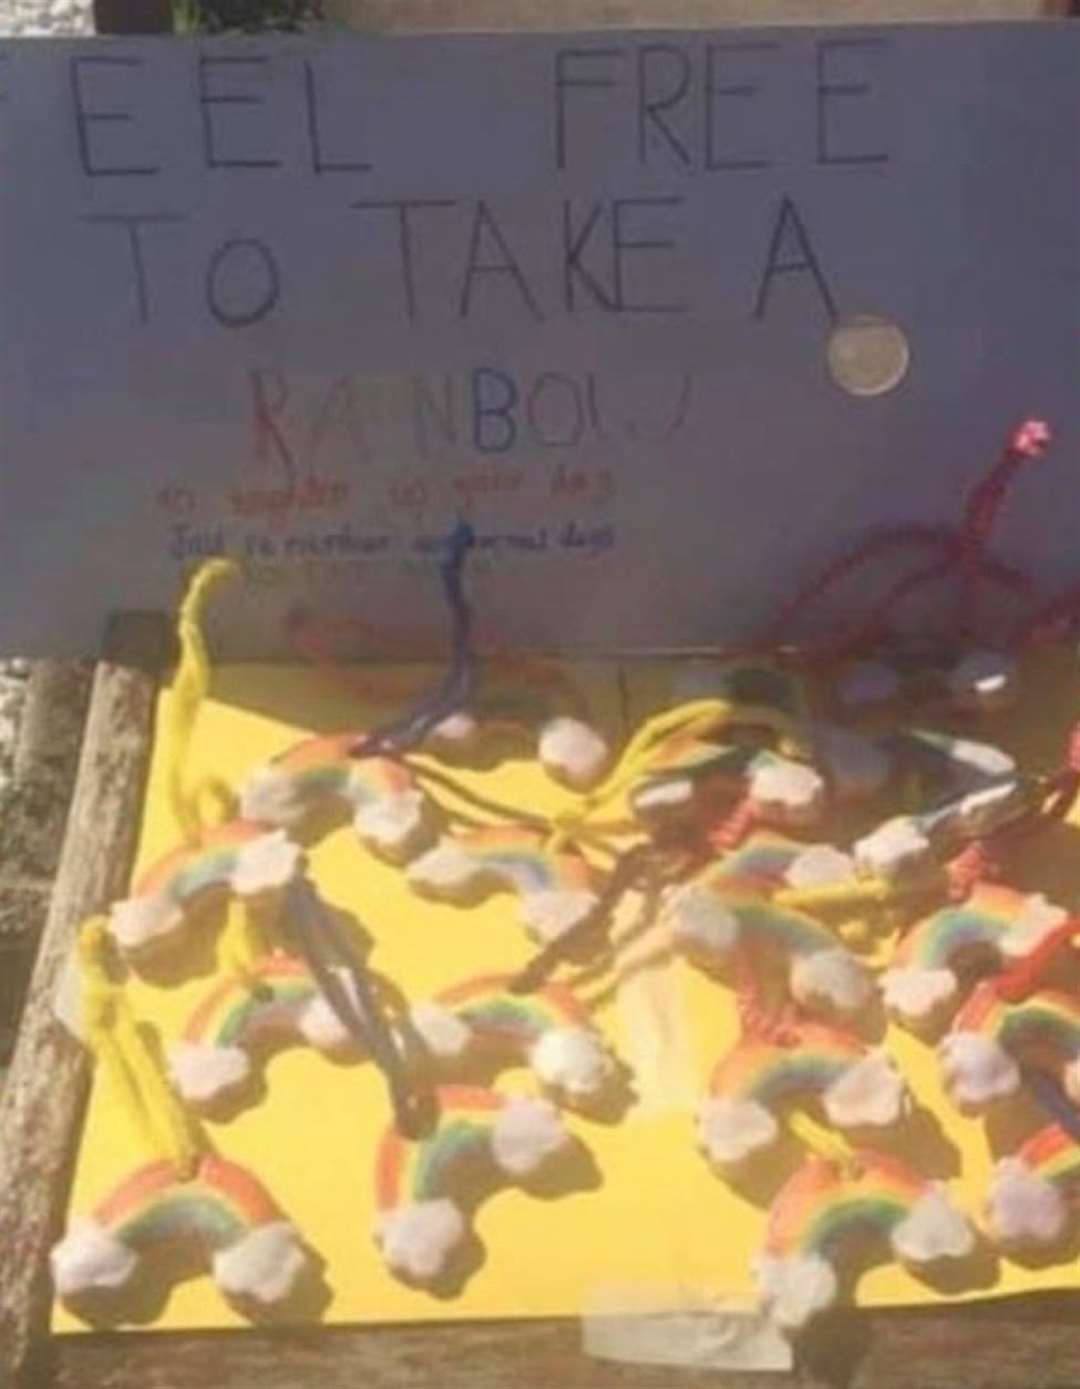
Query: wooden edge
[[42, 1099]]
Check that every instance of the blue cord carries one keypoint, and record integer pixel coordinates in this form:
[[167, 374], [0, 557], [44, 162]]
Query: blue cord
[[1049, 1096]]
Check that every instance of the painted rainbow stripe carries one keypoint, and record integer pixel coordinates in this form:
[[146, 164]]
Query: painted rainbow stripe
[[791, 931], [239, 1011], [762, 859], [768, 1074], [1048, 1019], [322, 768], [983, 920], [186, 872], [498, 1016], [1053, 1155], [820, 1206], [408, 1172], [219, 1205]]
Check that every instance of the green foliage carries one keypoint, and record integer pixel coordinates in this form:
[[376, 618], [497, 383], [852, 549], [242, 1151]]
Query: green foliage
[[248, 16]]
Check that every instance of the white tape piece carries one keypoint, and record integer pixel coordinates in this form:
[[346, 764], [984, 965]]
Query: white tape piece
[[641, 1326], [67, 997]]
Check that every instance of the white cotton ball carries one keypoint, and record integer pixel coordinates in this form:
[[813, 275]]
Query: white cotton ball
[[868, 683], [916, 994], [266, 864], [269, 797], [933, 1230], [572, 1060], [979, 812], [893, 850], [572, 752], [730, 1130], [441, 1031], [787, 791], [552, 912], [397, 826], [871, 1092], [138, 921], [983, 681], [795, 1288], [201, 1072], [980, 762], [90, 1259], [855, 766], [417, 1240], [820, 865], [456, 732], [665, 793], [1037, 918], [1022, 1207], [319, 1024], [831, 977], [264, 1265], [976, 1069], [1070, 1079], [446, 868], [700, 923], [526, 1134]]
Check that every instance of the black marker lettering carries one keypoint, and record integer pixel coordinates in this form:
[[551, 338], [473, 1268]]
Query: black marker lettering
[[208, 99], [485, 225], [650, 106], [236, 251], [131, 223], [547, 383], [443, 414], [742, 91], [566, 81], [85, 118], [801, 259], [621, 245], [829, 91], [404, 209], [319, 162], [575, 240]]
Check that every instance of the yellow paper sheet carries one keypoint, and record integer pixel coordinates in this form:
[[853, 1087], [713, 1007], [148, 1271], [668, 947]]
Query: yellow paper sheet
[[644, 1208]]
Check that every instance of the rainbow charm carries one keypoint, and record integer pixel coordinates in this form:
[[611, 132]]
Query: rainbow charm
[[822, 1205], [390, 814], [710, 916], [547, 1030], [254, 1254], [1031, 1195], [856, 1087], [420, 1223], [980, 1056], [241, 858], [993, 926], [556, 889], [570, 750], [241, 1017]]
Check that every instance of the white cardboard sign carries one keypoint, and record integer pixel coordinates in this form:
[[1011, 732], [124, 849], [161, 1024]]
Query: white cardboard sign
[[308, 300]]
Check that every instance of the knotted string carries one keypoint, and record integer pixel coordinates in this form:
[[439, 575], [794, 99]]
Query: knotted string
[[189, 689], [114, 1036], [455, 690]]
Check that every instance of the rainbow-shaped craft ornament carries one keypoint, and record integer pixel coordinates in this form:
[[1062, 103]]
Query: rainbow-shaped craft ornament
[[557, 889], [981, 1055], [547, 1030], [241, 858], [390, 814], [1033, 1191], [711, 916], [421, 1220], [856, 1087], [241, 1017], [825, 1204], [255, 1256], [993, 926]]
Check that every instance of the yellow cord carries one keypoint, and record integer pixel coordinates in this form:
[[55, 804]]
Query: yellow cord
[[112, 1033], [189, 689], [822, 1141], [242, 941]]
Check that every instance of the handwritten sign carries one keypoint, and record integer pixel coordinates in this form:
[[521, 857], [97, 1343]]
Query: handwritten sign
[[307, 301]]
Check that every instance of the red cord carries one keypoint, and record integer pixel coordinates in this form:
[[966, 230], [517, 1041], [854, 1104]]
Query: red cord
[[1026, 975]]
